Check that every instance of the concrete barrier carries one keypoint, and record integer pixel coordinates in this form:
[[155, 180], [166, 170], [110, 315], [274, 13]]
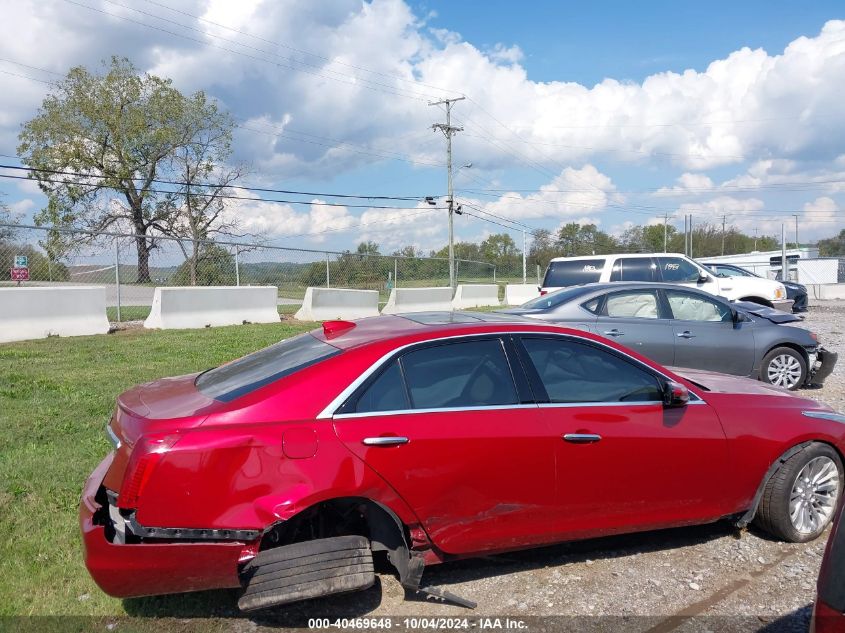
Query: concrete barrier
[[203, 306], [418, 300], [325, 304], [517, 294], [28, 313], [476, 295], [823, 292]]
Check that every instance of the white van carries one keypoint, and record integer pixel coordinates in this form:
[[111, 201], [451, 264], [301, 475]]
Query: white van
[[662, 267]]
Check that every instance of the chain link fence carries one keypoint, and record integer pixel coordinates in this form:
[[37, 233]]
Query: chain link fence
[[73, 257]]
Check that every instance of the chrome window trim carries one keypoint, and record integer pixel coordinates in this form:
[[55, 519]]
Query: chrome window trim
[[329, 411], [492, 407]]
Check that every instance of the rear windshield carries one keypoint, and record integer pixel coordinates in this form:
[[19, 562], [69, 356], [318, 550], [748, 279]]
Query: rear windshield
[[235, 379], [573, 273], [556, 298]]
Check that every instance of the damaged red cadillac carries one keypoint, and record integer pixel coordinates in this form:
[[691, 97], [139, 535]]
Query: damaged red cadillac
[[429, 437]]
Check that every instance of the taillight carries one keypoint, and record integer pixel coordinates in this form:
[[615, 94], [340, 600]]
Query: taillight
[[544, 292], [145, 456]]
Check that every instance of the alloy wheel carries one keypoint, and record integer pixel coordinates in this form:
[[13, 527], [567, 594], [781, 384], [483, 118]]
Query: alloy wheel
[[814, 495]]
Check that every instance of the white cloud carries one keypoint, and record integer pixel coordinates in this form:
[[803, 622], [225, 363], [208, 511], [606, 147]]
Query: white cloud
[[572, 193], [687, 184]]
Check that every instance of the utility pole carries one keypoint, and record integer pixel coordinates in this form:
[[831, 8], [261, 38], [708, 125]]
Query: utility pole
[[755, 238], [686, 235], [449, 131], [665, 231], [795, 215], [524, 270], [724, 218], [690, 235], [783, 270]]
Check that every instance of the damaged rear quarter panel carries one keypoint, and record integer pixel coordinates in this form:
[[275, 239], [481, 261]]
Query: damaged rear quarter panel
[[238, 477]]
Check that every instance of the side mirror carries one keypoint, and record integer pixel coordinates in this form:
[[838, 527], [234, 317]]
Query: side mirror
[[703, 278], [675, 395]]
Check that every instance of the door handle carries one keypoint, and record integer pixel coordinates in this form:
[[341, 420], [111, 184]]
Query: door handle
[[614, 332], [384, 441], [685, 334], [582, 438]]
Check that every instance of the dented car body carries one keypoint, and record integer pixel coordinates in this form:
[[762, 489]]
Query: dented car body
[[435, 436]]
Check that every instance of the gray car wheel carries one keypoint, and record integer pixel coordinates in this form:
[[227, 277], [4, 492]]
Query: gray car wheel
[[784, 367]]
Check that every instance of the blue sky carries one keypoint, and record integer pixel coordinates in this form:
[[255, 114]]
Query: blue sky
[[609, 112]]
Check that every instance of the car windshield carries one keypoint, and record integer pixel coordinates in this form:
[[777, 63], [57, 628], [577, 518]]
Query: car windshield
[[238, 378], [554, 299]]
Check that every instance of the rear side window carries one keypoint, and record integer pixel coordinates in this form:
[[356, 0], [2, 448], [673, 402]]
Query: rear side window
[[677, 270], [555, 298], [470, 374], [386, 393], [240, 377], [573, 273], [574, 372], [634, 269]]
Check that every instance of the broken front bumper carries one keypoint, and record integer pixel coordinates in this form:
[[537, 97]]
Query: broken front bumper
[[144, 569], [821, 365]]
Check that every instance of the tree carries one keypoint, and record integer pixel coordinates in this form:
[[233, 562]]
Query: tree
[[585, 239], [197, 208], [647, 238], [115, 134], [542, 249], [6, 217], [367, 248], [215, 266], [833, 246], [499, 249]]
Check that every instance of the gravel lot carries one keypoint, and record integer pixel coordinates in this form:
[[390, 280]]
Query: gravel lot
[[690, 579]]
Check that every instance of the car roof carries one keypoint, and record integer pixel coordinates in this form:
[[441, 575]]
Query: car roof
[[582, 257], [383, 327]]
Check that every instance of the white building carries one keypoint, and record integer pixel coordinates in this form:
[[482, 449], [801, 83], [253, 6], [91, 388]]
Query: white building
[[807, 269]]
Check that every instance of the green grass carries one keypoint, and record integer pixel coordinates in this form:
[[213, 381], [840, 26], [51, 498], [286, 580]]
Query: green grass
[[139, 313], [56, 396]]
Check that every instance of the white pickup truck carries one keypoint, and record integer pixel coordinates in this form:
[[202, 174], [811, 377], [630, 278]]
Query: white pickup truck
[[670, 268]]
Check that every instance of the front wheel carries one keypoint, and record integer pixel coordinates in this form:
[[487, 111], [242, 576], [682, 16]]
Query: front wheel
[[784, 367], [799, 499]]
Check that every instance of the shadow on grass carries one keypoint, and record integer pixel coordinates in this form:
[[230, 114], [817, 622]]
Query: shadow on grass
[[223, 604]]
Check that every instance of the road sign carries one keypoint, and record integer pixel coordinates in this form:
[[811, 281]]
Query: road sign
[[21, 261], [20, 273]]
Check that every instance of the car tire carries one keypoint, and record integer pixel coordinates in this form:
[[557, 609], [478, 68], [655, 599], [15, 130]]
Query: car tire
[[310, 569], [784, 367], [777, 514]]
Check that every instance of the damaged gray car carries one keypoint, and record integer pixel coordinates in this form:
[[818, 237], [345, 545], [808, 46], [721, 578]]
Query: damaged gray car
[[685, 327]]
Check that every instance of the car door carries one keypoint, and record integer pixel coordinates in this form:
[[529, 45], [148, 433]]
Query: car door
[[452, 427], [634, 319], [624, 462], [706, 336]]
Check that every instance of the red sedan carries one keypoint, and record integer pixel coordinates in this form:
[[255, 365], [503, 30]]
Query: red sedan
[[432, 437]]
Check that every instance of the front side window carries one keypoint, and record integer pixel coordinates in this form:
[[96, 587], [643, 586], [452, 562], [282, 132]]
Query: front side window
[[235, 379], [633, 269], [466, 374], [677, 270], [689, 307], [573, 372], [573, 273], [637, 304]]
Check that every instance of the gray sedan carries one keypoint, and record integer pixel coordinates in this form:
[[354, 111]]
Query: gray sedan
[[685, 327]]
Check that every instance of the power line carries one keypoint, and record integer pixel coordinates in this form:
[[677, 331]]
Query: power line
[[229, 197], [212, 185]]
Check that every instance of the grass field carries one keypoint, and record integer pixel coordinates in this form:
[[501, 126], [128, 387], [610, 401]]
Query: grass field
[[56, 396]]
